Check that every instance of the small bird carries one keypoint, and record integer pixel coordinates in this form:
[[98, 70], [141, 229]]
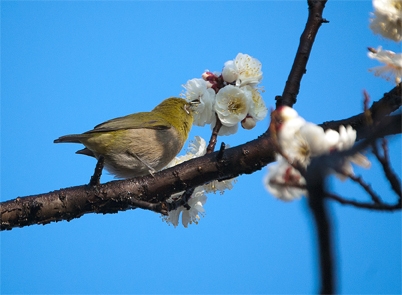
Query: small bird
[[140, 143]]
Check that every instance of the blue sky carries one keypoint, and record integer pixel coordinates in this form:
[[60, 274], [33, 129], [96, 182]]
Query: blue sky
[[67, 66]]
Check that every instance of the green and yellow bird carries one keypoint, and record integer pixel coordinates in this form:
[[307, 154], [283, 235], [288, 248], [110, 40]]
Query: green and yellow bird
[[140, 143]]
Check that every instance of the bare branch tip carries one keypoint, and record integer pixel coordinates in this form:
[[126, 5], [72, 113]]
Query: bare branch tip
[[219, 156]]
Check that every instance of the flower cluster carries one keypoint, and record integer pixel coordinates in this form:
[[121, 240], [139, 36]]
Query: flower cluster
[[197, 148], [189, 214], [393, 64], [387, 19], [232, 95], [299, 141]]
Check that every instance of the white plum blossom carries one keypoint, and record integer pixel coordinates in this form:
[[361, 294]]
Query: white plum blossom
[[221, 186], [299, 141], [282, 180], [248, 70], [393, 64], [309, 141], [196, 203], [225, 130], [231, 105], [197, 148], [332, 138], [229, 72], [195, 88], [231, 95], [198, 91], [288, 123], [191, 215], [234, 104], [257, 109], [347, 138], [387, 19]]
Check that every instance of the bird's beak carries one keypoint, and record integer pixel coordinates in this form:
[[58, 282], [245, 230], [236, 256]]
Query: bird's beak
[[188, 108]]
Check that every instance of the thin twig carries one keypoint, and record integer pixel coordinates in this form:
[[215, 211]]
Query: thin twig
[[390, 175], [214, 136], [371, 206], [359, 180], [219, 156], [156, 207], [367, 113]]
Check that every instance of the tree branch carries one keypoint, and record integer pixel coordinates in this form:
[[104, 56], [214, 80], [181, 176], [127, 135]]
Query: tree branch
[[380, 110], [315, 177], [149, 191], [315, 181], [69, 203], [371, 206], [389, 173], [307, 38]]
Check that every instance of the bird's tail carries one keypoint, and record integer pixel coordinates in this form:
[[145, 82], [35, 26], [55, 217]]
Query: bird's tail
[[74, 138]]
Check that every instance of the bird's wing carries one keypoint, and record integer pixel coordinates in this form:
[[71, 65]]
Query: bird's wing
[[133, 121]]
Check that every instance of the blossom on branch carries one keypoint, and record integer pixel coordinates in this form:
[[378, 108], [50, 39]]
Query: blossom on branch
[[197, 148], [393, 64], [194, 210], [244, 70], [299, 141], [347, 138], [387, 19], [198, 90], [221, 186], [231, 105], [233, 95], [190, 214], [283, 181], [230, 72], [258, 111]]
